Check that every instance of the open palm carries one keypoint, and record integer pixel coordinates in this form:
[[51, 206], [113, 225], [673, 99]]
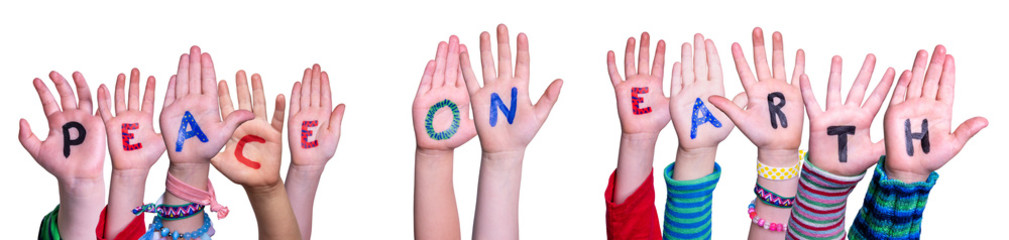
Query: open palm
[[514, 132], [257, 163], [696, 78], [449, 126], [641, 103], [312, 116], [133, 143]]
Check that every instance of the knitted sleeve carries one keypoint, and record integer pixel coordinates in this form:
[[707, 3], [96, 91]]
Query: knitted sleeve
[[892, 209], [48, 230], [820, 204], [636, 217], [688, 205]]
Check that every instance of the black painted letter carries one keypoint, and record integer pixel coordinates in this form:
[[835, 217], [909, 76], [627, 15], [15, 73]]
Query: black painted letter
[[67, 142], [842, 133], [922, 136], [775, 109]]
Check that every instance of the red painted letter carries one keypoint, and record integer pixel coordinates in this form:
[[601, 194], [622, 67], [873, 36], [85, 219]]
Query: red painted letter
[[241, 145], [127, 136], [305, 133]]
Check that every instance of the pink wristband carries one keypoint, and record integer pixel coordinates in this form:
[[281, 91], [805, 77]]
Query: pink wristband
[[189, 193]]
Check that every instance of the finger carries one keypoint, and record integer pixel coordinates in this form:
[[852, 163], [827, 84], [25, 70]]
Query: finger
[[677, 82], [472, 85], [643, 54], [148, 103], [947, 81], [242, 90], [306, 85], [740, 100], [504, 59], [67, 98], [687, 64], [232, 121], [327, 93], [808, 97], [120, 92], [49, 104], [629, 68], [427, 78], [134, 94], [28, 139], [934, 73], [295, 98], [182, 87], [730, 109], [83, 92], [224, 98], [760, 55], [742, 68], [967, 130], [103, 103], [316, 85], [917, 75], [209, 75], [875, 100], [195, 70], [170, 93], [900, 92], [452, 61], [778, 55], [258, 100], [834, 83], [522, 60], [336, 117], [278, 113], [714, 63], [857, 92], [547, 101], [611, 67], [440, 60], [659, 64], [800, 66], [487, 59], [700, 57]]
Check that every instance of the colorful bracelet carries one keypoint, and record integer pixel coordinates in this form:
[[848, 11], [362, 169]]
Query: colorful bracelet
[[158, 231], [773, 199], [170, 212], [784, 173], [777, 227]]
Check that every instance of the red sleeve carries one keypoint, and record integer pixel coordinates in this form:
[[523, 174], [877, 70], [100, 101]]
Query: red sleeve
[[134, 230], [636, 217]]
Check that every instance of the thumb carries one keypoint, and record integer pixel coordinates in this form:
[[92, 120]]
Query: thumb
[[549, 98], [336, 118], [233, 120], [29, 140], [740, 99], [968, 129], [730, 109]]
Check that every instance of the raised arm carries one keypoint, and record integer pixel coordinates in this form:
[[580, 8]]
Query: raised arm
[[506, 121]]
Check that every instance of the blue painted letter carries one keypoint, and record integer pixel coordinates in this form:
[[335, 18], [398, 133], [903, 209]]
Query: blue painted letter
[[495, 103], [701, 115], [188, 120]]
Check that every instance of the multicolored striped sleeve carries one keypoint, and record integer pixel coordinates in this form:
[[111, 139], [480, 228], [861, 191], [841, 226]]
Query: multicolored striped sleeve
[[820, 204], [48, 230], [688, 206], [892, 209]]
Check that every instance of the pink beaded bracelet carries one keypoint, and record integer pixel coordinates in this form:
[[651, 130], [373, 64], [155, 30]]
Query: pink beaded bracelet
[[777, 227]]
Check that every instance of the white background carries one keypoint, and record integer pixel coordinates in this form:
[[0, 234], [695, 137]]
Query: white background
[[376, 51]]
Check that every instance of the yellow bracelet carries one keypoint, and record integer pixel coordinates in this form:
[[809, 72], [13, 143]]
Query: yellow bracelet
[[785, 173]]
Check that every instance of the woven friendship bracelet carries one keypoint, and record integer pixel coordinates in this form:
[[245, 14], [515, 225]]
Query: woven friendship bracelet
[[170, 212], [776, 173], [773, 199]]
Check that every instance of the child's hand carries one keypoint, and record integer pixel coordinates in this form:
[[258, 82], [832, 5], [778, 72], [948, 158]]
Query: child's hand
[[699, 77], [773, 116], [75, 148], [191, 118], [914, 150], [133, 144], [314, 128], [641, 103], [252, 156], [441, 107], [839, 139], [506, 119]]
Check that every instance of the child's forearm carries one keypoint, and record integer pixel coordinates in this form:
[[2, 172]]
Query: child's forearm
[[634, 164], [195, 175], [434, 210], [126, 192], [273, 212], [81, 203], [784, 188], [301, 185], [497, 200]]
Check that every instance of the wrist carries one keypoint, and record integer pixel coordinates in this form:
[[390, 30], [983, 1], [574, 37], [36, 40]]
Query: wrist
[[640, 138], [193, 174], [82, 188], [423, 153], [906, 176], [265, 190], [778, 157], [694, 163], [130, 174]]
